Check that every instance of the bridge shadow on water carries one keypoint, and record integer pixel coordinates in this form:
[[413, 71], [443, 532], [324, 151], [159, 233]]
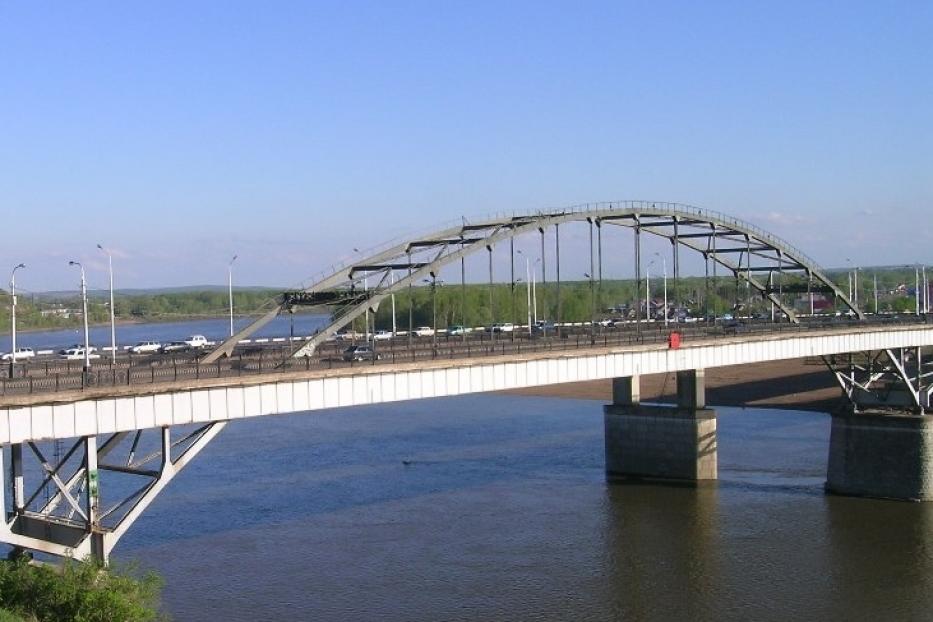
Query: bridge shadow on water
[[274, 470]]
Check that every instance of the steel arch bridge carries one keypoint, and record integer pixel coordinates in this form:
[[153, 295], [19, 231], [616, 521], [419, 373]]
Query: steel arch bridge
[[740, 248]]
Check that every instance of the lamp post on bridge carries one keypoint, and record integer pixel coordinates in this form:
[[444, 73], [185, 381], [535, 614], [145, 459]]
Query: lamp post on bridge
[[433, 282], [664, 267], [13, 318], [530, 287], [926, 289], [648, 291], [113, 325], [230, 290], [917, 288], [87, 340]]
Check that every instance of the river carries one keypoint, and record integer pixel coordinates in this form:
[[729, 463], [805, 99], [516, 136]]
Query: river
[[495, 507], [299, 324]]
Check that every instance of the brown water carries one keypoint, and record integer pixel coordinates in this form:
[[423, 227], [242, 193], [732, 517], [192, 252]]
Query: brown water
[[496, 508]]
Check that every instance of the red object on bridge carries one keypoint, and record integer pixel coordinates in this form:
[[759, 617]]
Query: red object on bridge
[[673, 340]]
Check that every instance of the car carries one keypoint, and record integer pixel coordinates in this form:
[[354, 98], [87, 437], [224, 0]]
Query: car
[[345, 335], [360, 353], [457, 330], [195, 342], [146, 347], [424, 331], [542, 326], [19, 354], [383, 335], [175, 346], [606, 322], [77, 354], [77, 346]]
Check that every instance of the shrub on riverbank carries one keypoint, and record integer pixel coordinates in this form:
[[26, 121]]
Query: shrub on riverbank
[[76, 592]]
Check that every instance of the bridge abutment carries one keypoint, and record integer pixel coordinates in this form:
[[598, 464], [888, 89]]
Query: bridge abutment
[[664, 443], [887, 456]]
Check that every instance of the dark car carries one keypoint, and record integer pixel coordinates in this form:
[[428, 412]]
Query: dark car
[[174, 346], [360, 353]]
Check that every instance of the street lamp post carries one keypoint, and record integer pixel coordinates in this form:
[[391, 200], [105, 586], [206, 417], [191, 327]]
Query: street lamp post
[[530, 287], [849, 277], [926, 289], [664, 268], [528, 290], [87, 340], [230, 290], [917, 289], [648, 292], [589, 277], [433, 283], [113, 325], [855, 284], [394, 325], [13, 318], [534, 295]]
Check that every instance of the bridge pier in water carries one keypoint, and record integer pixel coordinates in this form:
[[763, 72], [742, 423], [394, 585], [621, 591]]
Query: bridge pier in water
[[883, 455], [881, 445], [664, 443]]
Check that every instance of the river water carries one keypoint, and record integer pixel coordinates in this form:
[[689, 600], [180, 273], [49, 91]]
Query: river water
[[299, 324], [495, 507]]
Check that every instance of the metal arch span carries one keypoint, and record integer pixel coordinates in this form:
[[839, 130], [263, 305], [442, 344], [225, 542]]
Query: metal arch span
[[725, 241]]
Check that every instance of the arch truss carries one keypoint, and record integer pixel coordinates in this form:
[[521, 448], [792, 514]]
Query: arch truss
[[740, 249]]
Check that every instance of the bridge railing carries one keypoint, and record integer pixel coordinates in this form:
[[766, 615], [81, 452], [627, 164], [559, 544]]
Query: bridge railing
[[275, 360]]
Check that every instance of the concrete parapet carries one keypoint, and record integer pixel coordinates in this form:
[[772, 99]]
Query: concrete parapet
[[881, 455], [660, 442]]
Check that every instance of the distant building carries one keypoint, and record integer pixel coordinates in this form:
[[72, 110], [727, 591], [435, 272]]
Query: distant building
[[820, 303], [61, 312]]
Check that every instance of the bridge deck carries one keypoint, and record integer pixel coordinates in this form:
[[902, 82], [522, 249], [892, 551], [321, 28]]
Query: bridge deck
[[110, 409]]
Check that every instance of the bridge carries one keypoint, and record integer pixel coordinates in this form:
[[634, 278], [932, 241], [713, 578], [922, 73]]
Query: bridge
[[97, 446]]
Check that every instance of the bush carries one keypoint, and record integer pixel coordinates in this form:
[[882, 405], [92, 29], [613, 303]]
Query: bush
[[6, 616], [77, 592]]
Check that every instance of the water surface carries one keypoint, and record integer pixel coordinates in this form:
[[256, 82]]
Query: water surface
[[495, 507]]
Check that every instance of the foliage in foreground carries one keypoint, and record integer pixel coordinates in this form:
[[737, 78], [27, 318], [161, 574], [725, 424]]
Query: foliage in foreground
[[76, 592]]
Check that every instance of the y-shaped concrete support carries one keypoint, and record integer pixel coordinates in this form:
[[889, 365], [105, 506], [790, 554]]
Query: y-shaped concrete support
[[72, 522]]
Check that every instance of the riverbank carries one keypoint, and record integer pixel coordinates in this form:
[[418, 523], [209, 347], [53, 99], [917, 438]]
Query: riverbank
[[794, 384]]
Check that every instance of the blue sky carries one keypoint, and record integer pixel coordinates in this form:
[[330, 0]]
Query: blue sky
[[180, 133]]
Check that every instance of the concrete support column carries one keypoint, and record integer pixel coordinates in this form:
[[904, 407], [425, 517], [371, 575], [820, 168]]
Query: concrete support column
[[674, 443], [881, 455], [626, 391], [691, 389], [16, 478]]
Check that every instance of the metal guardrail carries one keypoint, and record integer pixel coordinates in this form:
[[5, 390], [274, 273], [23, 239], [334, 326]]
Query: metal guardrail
[[50, 379]]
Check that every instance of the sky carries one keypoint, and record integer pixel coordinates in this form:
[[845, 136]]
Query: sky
[[178, 134]]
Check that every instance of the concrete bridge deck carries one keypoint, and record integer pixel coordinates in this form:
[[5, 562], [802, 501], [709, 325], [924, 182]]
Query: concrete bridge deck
[[112, 409]]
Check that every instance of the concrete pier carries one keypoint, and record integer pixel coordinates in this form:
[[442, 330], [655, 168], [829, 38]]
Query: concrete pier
[[881, 455], [673, 443]]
